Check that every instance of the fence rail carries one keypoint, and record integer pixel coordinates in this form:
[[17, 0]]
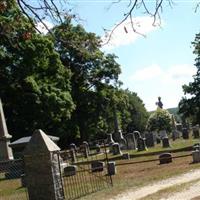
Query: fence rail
[[86, 173]]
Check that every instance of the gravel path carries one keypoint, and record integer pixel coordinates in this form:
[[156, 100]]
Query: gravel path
[[192, 192]]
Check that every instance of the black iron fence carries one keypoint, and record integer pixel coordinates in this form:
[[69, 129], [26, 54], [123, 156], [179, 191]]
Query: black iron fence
[[84, 170], [12, 184]]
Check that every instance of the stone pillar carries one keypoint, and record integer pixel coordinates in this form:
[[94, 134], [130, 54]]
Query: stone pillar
[[5, 151], [42, 168]]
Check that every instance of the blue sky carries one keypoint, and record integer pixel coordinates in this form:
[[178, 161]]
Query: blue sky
[[155, 65]]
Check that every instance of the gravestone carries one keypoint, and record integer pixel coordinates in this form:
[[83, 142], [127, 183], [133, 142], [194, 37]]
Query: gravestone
[[196, 147], [141, 145], [165, 158], [196, 156], [158, 140], [85, 143], [70, 170], [131, 142], [120, 139], [97, 166], [136, 135], [116, 149], [73, 155], [185, 133], [85, 149], [195, 132], [179, 127], [165, 142], [163, 134], [126, 156], [5, 151], [111, 168], [42, 168], [149, 139], [155, 134], [73, 146], [175, 134]]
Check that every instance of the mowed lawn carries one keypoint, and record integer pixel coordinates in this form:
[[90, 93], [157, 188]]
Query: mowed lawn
[[132, 176], [128, 175]]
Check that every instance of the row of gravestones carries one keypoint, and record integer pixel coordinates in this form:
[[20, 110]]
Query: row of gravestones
[[185, 131]]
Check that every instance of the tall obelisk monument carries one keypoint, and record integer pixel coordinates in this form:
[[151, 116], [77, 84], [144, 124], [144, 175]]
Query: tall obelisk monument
[[5, 150]]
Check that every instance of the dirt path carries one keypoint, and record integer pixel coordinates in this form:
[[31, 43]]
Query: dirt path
[[192, 192]]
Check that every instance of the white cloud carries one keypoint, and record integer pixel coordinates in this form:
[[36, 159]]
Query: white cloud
[[147, 73], [124, 34], [42, 28], [153, 81]]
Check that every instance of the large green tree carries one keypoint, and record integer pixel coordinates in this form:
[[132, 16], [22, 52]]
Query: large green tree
[[189, 107], [34, 85], [92, 72]]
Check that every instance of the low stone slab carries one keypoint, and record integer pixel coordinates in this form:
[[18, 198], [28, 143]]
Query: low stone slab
[[97, 166], [70, 170], [165, 158]]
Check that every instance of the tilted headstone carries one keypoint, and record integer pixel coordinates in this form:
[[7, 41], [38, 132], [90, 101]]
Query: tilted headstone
[[185, 133], [149, 139], [42, 168], [116, 149], [141, 145], [131, 142], [165, 142], [5, 151]]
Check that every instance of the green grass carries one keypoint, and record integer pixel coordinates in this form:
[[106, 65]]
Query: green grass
[[11, 189]]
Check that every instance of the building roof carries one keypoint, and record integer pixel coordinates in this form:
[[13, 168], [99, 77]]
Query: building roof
[[24, 140]]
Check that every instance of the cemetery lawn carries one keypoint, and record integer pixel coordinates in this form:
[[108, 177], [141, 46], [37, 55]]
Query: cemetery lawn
[[136, 175], [11, 189]]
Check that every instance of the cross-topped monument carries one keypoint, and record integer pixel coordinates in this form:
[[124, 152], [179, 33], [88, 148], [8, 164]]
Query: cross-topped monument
[[5, 150]]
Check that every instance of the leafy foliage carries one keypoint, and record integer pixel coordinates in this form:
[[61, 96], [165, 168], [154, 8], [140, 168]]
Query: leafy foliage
[[35, 86], [159, 120], [63, 84], [189, 107]]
